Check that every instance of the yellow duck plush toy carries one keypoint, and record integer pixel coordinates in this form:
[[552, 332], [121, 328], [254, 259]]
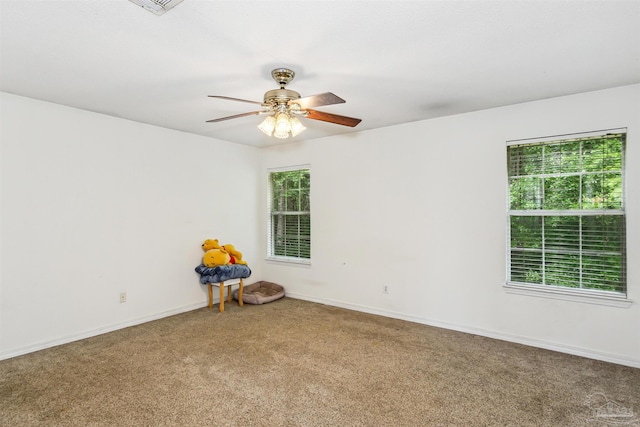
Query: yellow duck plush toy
[[215, 257], [214, 254], [236, 256], [211, 244]]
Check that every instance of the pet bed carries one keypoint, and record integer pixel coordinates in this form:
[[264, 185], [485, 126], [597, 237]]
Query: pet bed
[[260, 293]]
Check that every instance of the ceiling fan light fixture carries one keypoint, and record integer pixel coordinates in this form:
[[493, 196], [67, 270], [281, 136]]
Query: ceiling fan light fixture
[[296, 126], [268, 125], [283, 126]]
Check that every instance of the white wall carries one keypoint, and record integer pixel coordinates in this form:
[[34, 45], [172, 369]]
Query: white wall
[[94, 205], [422, 207]]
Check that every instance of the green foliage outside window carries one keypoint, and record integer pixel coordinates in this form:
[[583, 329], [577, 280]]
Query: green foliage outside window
[[567, 223], [290, 214]]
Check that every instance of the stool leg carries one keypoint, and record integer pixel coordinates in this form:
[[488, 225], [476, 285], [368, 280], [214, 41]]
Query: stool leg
[[229, 294], [210, 295], [240, 302], [221, 297]]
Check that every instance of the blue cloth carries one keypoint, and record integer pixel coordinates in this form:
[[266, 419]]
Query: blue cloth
[[222, 273]]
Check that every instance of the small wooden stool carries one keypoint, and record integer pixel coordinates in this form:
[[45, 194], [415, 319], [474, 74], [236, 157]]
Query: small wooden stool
[[222, 285]]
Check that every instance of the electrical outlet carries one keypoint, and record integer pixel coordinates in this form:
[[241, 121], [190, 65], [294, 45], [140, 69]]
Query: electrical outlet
[[123, 297], [385, 289]]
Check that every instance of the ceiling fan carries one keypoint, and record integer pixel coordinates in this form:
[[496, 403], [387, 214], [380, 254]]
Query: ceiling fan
[[284, 106]]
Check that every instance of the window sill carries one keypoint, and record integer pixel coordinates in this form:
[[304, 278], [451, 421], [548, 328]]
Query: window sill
[[294, 262], [567, 294]]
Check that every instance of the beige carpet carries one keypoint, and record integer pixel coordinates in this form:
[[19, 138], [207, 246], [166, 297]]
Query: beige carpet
[[296, 363]]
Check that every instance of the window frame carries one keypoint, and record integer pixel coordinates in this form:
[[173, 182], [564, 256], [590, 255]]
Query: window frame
[[596, 296], [270, 250]]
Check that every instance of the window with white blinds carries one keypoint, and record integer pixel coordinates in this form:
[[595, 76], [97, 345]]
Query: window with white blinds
[[289, 209], [566, 212]]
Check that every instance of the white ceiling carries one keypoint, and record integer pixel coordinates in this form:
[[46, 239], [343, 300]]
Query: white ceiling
[[393, 61]]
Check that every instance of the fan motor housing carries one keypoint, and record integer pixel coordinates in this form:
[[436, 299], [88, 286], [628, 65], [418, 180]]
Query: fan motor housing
[[280, 96]]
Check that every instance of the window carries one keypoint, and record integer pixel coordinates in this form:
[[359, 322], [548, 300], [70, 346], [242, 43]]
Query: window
[[566, 213], [289, 224]]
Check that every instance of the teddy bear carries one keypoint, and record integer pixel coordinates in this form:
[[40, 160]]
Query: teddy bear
[[216, 257], [236, 256], [211, 244]]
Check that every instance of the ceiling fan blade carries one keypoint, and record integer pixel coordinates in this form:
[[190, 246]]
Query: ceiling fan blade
[[252, 113], [332, 118], [326, 98], [235, 99]]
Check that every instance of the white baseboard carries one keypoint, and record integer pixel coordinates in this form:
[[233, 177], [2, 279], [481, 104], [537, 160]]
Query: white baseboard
[[576, 351], [99, 331]]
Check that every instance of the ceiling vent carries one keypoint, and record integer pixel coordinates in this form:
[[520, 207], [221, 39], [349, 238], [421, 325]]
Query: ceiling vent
[[156, 6]]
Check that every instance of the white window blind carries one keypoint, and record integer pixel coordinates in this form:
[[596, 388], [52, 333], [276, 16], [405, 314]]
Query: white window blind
[[289, 210], [566, 212]]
